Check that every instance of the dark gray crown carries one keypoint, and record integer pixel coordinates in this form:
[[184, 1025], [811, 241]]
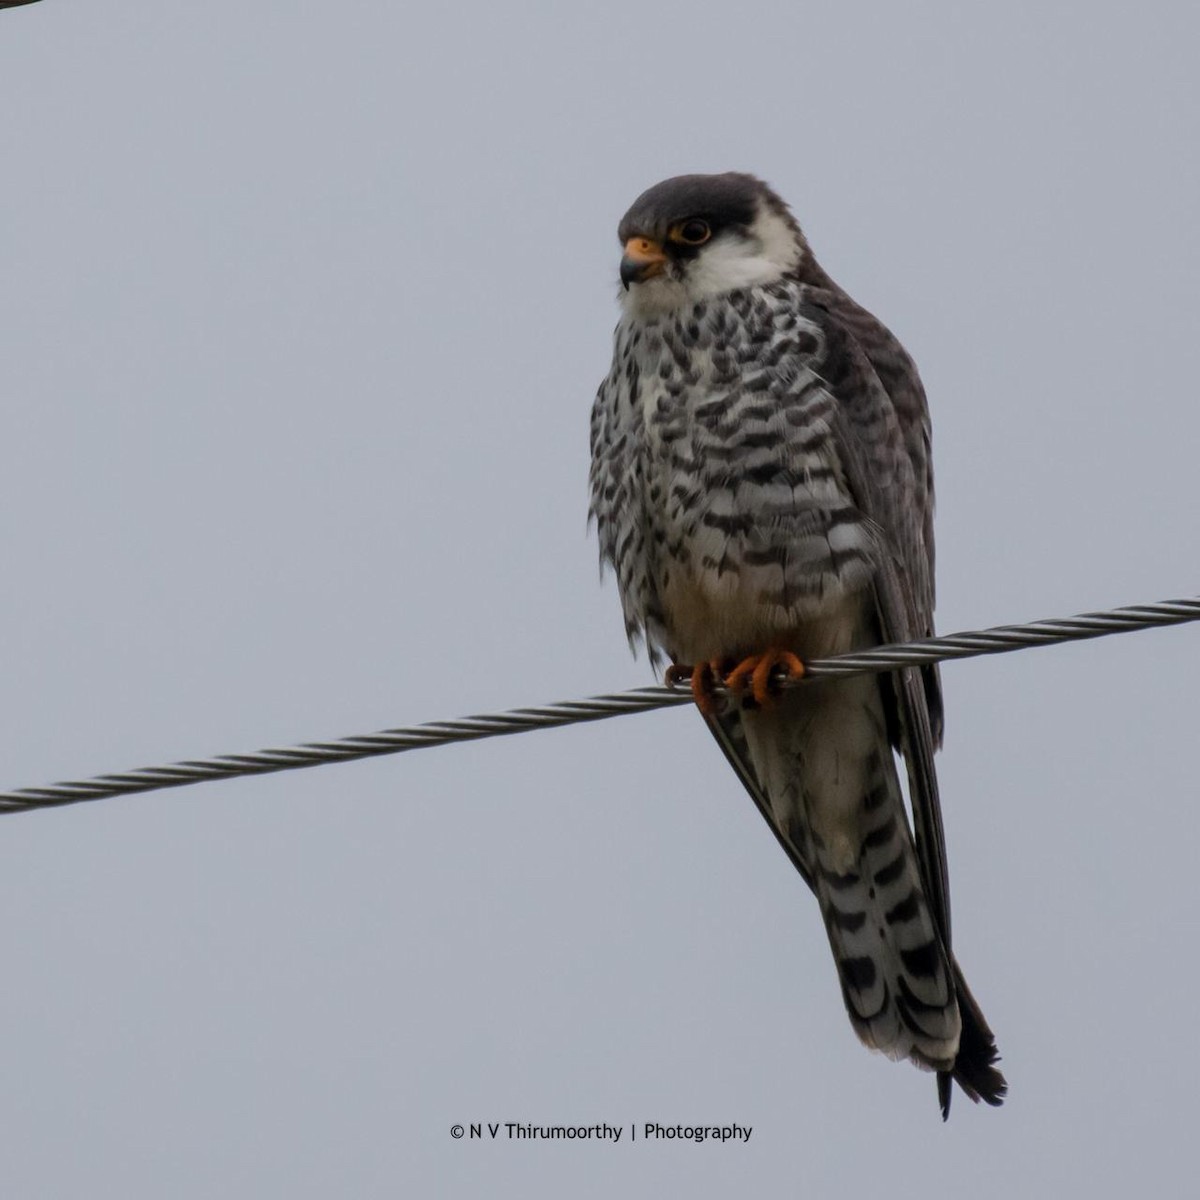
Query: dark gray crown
[[723, 201]]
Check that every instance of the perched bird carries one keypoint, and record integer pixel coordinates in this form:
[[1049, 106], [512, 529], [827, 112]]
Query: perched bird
[[761, 482]]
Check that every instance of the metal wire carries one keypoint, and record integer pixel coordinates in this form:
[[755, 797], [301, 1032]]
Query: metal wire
[[1000, 640]]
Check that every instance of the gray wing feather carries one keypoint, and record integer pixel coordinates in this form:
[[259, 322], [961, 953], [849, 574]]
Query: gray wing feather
[[882, 433], [874, 433], [885, 429]]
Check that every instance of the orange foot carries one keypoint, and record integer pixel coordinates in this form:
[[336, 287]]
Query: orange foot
[[757, 670], [704, 677]]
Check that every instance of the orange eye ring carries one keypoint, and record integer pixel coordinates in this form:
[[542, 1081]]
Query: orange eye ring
[[692, 232]]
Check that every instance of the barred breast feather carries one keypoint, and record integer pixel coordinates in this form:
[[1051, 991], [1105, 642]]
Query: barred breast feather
[[716, 484]]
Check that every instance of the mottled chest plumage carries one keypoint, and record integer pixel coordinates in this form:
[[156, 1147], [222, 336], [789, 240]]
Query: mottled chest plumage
[[716, 483]]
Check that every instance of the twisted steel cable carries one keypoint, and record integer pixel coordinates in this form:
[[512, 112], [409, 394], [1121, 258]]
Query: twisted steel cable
[[1000, 640]]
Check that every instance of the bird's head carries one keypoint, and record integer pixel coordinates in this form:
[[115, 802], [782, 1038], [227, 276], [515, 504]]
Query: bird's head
[[697, 236]]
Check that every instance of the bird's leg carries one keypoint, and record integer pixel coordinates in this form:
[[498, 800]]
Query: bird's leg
[[757, 671], [703, 678]]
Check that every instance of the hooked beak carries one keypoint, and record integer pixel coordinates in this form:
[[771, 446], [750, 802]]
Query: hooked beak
[[643, 258]]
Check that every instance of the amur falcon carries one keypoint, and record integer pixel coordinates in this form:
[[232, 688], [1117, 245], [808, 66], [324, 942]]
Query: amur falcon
[[761, 483]]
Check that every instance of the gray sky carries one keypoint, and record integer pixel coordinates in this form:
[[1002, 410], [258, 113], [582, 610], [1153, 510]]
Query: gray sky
[[302, 308]]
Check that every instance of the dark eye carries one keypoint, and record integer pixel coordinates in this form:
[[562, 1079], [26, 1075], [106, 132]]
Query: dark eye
[[693, 232]]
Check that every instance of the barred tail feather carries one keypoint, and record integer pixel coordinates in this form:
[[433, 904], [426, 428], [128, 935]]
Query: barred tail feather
[[896, 980], [822, 771]]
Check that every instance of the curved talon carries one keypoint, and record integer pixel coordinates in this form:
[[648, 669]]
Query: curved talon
[[704, 677], [675, 674], [757, 671]]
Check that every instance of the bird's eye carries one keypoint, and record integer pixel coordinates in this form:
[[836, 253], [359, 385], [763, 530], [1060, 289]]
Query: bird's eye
[[693, 232]]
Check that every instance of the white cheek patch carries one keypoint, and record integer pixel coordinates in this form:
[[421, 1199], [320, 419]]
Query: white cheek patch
[[780, 243], [769, 251], [731, 262]]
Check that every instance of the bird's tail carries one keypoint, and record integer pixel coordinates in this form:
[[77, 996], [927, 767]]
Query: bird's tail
[[829, 788], [897, 980]]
